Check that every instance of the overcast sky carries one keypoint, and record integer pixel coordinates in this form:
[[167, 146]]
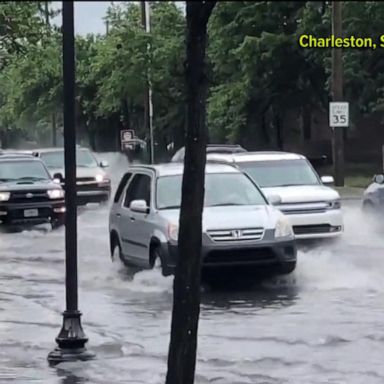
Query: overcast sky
[[89, 15]]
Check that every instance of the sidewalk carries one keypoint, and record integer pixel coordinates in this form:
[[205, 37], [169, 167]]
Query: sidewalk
[[350, 193]]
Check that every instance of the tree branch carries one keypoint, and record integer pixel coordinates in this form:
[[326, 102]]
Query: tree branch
[[206, 10]]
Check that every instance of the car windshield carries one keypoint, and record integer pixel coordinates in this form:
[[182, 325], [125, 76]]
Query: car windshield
[[55, 159], [221, 189], [22, 170], [268, 174]]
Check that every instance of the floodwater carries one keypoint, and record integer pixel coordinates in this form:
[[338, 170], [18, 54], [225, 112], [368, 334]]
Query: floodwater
[[322, 324]]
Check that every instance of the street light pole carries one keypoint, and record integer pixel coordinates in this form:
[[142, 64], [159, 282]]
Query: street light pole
[[337, 95], [71, 339]]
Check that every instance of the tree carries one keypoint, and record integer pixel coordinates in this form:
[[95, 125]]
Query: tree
[[186, 291]]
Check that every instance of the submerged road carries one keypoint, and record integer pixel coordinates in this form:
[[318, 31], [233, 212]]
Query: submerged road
[[323, 324]]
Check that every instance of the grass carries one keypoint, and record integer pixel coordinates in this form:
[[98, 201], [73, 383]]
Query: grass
[[357, 175]]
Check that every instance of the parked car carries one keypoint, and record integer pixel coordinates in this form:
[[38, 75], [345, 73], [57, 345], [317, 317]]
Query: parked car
[[28, 194], [211, 148], [312, 206], [373, 198], [240, 226], [93, 183]]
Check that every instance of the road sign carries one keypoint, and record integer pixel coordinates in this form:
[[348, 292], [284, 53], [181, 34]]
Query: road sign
[[339, 114], [128, 145], [127, 135]]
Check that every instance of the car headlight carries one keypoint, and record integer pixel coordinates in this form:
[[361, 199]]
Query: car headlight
[[55, 193], [173, 232], [283, 228], [336, 204], [99, 178], [4, 196]]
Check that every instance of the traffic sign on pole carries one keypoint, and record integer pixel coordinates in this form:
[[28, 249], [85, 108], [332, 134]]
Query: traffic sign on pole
[[339, 114]]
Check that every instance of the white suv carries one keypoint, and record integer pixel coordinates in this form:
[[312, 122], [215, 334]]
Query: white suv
[[313, 208]]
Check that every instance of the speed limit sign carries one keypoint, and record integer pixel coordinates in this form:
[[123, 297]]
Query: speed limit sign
[[339, 114]]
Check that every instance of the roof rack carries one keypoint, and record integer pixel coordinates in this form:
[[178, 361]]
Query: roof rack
[[222, 161]]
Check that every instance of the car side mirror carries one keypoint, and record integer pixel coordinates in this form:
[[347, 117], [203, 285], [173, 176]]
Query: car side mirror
[[274, 200], [139, 206], [104, 164], [58, 178], [378, 179], [327, 180]]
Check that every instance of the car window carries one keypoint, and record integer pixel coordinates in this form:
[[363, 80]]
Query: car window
[[121, 187], [17, 170], [280, 173], [221, 189], [138, 189]]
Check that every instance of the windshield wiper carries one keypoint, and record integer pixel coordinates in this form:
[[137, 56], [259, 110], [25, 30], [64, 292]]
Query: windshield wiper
[[224, 204], [31, 178], [2, 180], [171, 207]]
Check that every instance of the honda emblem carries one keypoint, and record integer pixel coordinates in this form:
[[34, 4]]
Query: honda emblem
[[236, 233]]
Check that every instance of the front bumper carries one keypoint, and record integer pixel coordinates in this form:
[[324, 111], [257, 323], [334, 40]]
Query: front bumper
[[12, 214], [317, 225], [92, 192], [258, 254]]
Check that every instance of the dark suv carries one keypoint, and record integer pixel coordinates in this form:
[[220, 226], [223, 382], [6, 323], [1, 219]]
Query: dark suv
[[28, 194]]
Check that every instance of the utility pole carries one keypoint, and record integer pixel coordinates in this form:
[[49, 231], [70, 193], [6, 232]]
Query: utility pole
[[71, 339], [337, 95], [53, 116], [148, 106]]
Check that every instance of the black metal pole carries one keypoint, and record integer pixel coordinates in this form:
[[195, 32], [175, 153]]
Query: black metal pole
[[71, 339]]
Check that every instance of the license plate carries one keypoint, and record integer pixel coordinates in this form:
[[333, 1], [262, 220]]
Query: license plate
[[31, 212]]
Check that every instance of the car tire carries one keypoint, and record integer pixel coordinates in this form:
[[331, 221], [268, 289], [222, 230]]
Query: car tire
[[57, 223], [116, 254], [287, 268], [157, 256]]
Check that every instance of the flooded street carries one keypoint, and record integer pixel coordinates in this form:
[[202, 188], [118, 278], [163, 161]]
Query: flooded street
[[323, 324]]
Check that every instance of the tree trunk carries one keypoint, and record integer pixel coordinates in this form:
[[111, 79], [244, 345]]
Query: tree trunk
[[186, 289], [307, 123], [277, 120], [54, 131]]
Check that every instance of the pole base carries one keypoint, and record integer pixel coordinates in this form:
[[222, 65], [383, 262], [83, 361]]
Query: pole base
[[71, 341], [59, 355]]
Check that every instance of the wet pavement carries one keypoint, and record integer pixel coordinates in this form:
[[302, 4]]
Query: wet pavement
[[322, 324]]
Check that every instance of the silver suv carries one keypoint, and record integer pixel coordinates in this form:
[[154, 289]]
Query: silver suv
[[240, 226]]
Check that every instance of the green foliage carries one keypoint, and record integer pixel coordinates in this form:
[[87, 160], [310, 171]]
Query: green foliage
[[258, 72]]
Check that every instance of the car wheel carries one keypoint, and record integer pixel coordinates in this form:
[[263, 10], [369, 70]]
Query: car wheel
[[57, 223], [116, 254], [157, 260], [287, 268]]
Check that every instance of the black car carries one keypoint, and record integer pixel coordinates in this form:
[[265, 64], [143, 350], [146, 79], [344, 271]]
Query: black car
[[211, 148], [28, 194]]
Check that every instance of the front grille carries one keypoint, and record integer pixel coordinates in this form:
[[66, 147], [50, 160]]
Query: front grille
[[85, 179], [240, 256], [310, 229], [304, 208], [22, 197], [248, 234]]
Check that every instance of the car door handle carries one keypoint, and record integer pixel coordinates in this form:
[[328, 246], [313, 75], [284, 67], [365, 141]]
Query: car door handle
[[118, 215], [132, 218]]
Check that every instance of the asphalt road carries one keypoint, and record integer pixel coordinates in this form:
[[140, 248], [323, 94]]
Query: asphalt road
[[322, 324]]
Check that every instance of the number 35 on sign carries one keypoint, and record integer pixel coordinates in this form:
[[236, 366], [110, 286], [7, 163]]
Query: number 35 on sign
[[339, 114]]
